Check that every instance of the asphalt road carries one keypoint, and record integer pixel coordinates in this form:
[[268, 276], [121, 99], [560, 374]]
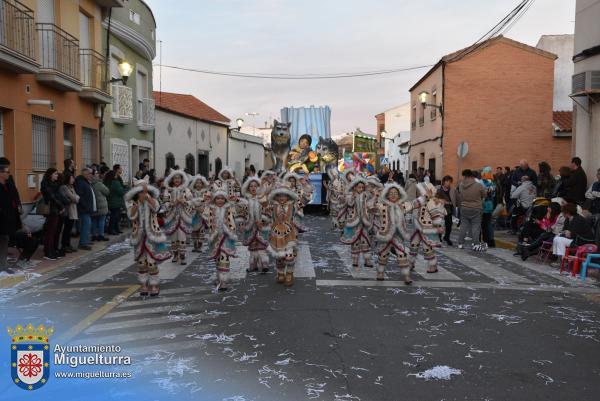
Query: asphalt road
[[486, 327]]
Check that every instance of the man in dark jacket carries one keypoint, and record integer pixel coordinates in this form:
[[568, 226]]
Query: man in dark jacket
[[577, 181], [10, 221], [85, 207], [523, 169]]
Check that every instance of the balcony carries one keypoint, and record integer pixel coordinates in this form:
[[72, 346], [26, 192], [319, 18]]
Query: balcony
[[110, 3], [17, 40], [421, 121], [122, 104], [145, 114], [59, 58], [93, 77]]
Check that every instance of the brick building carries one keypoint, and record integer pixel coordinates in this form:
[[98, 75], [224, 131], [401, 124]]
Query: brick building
[[497, 98]]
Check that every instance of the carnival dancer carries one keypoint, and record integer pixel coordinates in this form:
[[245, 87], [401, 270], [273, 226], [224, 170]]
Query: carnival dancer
[[283, 242], [199, 187], [373, 190], [219, 216], [148, 240], [345, 181], [334, 194], [358, 222], [179, 216], [303, 195], [226, 182], [391, 231], [256, 226], [428, 222], [267, 182]]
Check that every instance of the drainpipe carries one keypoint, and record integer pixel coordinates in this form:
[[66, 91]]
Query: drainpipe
[[106, 67]]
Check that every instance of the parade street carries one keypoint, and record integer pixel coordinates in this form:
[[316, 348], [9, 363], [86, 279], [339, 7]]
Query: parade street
[[487, 326]]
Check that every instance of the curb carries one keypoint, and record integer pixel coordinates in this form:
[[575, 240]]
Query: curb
[[504, 244], [14, 280]]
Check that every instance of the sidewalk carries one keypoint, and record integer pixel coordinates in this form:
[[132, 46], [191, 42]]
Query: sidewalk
[[505, 240], [44, 266]]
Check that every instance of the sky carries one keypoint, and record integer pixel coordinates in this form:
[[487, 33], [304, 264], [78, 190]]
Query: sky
[[325, 36]]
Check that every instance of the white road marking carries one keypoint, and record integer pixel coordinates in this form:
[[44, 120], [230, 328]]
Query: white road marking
[[442, 274], [157, 309], [171, 346], [495, 272], [163, 300], [456, 284], [240, 263], [304, 263], [106, 271], [363, 273], [145, 335], [147, 321]]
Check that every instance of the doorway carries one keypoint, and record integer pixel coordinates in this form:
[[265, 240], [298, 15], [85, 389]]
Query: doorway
[[432, 170], [203, 166]]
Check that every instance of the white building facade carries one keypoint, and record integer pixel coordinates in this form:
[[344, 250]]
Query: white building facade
[[585, 90], [562, 46], [197, 146], [244, 150], [397, 138]]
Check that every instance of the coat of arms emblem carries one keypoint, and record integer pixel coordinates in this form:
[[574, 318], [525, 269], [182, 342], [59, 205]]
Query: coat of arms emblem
[[30, 355]]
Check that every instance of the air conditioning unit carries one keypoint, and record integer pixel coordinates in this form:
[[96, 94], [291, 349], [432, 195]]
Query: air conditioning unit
[[585, 82]]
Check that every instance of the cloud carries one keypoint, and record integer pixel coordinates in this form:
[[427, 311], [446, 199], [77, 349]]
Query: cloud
[[326, 36]]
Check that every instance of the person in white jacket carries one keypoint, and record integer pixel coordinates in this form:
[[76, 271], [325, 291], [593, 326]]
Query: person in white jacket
[[524, 195]]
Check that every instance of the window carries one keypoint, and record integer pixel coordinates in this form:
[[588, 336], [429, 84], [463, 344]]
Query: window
[[89, 140], [431, 169], [190, 164], [68, 138], [414, 166], [169, 160], [413, 117], [43, 148], [433, 113], [142, 93], [134, 17], [218, 166]]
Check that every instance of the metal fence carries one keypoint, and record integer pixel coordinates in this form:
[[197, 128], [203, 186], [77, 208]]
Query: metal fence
[[146, 112], [89, 140], [17, 28], [44, 145], [122, 106], [93, 70], [59, 51]]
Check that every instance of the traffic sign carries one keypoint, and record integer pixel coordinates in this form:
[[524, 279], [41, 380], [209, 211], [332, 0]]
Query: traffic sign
[[463, 149]]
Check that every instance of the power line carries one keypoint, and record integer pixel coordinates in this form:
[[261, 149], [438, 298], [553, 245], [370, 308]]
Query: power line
[[297, 76], [497, 29], [504, 25]]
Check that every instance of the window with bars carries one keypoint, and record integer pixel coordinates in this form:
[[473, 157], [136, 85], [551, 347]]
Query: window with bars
[[69, 136], [89, 141], [43, 146], [170, 160], [190, 164]]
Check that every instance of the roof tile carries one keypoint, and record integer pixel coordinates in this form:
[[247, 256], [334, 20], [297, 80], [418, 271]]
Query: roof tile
[[189, 106]]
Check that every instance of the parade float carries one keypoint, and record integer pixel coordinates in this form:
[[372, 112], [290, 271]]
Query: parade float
[[301, 142]]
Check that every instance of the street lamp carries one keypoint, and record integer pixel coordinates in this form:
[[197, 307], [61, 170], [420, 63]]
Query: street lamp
[[125, 69], [382, 134], [240, 123], [424, 97]]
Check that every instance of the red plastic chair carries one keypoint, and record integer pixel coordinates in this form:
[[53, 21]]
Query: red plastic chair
[[573, 261], [545, 252]]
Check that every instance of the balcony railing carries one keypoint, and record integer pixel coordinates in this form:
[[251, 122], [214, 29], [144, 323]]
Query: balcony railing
[[421, 121], [93, 70], [17, 28], [145, 113], [122, 106], [59, 51]]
